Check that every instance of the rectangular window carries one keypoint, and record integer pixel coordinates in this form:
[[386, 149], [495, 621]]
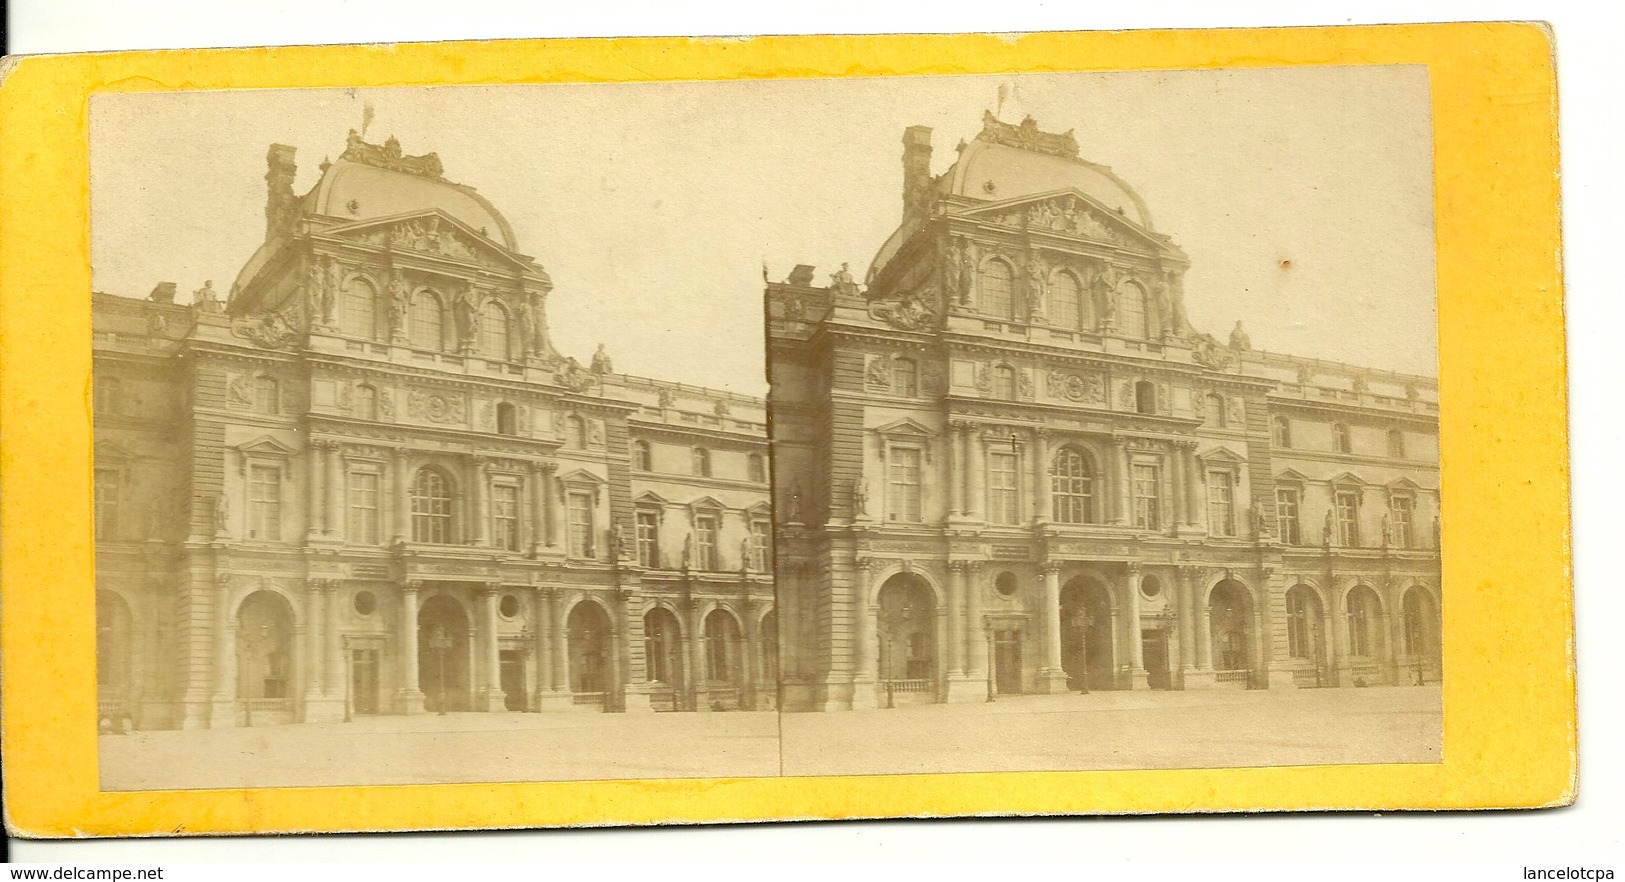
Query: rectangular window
[[705, 542], [648, 538], [264, 502], [1401, 507], [1002, 474], [1146, 514], [1221, 509], [904, 484], [579, 517], [361, 525], [106, 504], [1286, 515], [1348, 518], [761, 547], [505, 516]]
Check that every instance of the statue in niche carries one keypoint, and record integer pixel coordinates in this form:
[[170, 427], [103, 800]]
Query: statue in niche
[[1387, 530], [528, 341], [601, 363], [1238, 339], [400, 299], [688, 550], [967, 274], [330, 291], [860, 495], [744, 555], [617, 543], [222, 511], [952, 257], [1037, 289], [1105, 294], [465, 309], [1165, 306], [841, 281], [1326, 529], [315, 281], [206, 298]]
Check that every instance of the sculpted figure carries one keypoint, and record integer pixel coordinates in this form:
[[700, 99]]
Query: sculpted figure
[[330, 290], [221, 511], [1326, 529], [952, 257], [860, 495], [399, 300], [468, 316], [315, 282], [967, 274], [688, 550], [600, 361], [527, 327], [205, 298], [1239, 340], [842, 281]]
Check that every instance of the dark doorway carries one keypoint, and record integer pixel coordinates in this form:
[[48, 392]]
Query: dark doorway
[[1007, 662], [443, 654], [588, 638], [1154, 652], [512, 662], [1086, 635], [364, 681]]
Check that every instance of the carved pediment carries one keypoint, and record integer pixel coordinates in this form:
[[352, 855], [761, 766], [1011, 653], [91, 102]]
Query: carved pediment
[[581, 476], [1067, 212], [904, 427], [265, 445], [707, 504], [1221, 455], [434, 233], [1292, 476], [650, 499]]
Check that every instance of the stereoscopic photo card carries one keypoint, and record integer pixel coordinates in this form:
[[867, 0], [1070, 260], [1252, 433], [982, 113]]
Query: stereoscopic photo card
[[664, 431]]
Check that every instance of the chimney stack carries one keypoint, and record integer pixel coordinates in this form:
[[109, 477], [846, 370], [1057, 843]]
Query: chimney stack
[[916, 169], [281, 206]]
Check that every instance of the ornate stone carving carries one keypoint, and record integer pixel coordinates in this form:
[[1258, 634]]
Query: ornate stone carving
[[400, 299], [1024, 384], [841, 282], [273, 330], [1035, 286], [344, 397], [984, 377], [860, 495], [1125, 394], [1207, 352], [910, 311], [206, 299], [720, 408], [571, 375], [238, 393], [1359, 386], [1027, 136], [1239, 341], [388, 155], [1067, 214], [878, 371], [1075, 387], [666, 397], [386, 404], [601, 363], [1306, 375], [436, 407], [222, 513], [465, 314], [595, 433], [1235, 411], [931, 379]]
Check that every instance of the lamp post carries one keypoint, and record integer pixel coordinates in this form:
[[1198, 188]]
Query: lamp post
[[992, 659], [440, 642], [1081, 620], [893, 620]]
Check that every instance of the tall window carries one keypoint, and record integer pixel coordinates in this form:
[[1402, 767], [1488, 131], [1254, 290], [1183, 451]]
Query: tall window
[[579, 518], [264, 502], [1299, 623], [1400, 508], [1347, 503], [366, 402], [1281, 432], [720, 636], [106, 504], [1004, 382], [1340, 438], [998, 290], [905, 377], [359, 315], [647, 525], [657, 645], [1286, 515], [505, 516], [1361, 616], [1145, 397], [1131, 312], [494, 330], [424, 322], [361, 523], [575, 432], [1002, 469], [705, 543], [642, 456], [1396, 444], [757, 468], [1072, 484], [903, 483], [1066, 308], [1221, 509], [1214, 403], [431, 508], [702, 462], [761, 547], [1146, 513], [267, 392], [507, 419]]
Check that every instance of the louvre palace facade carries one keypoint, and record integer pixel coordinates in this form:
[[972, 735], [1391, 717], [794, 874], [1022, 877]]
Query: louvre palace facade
[[1007, 463], [361, 480]]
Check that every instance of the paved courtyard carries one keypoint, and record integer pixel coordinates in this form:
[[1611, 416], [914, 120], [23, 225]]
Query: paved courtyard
[[1107, 730]]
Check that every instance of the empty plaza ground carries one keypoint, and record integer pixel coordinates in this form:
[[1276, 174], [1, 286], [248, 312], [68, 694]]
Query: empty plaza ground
[[1103, 730]]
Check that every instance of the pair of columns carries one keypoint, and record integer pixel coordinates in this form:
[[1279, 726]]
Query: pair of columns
[[485, 670], [1182, 486]]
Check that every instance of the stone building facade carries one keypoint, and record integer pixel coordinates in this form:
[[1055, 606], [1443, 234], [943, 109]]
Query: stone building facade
[[1009, 464], [364, 481]]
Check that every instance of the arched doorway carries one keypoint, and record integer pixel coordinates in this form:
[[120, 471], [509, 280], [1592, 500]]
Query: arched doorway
[[1230, 623], [589, 644], [1305, 642], [443, 654], [1363, 614], [1421, 633], [265, 656], [663, 657], [724, 667], [114, 659], [768, 641], [1087, 651], [908, 635]]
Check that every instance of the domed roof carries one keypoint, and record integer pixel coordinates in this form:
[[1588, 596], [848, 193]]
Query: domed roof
[[1005, 162], [356, 191]]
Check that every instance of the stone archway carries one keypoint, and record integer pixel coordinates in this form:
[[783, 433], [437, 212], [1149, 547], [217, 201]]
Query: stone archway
[[115, 658], [1088, 647], [1306, 636], [664, 658], [1421, 634], [589, 639], [265, 657], [1230, 624], [443, 654], [907, 612]]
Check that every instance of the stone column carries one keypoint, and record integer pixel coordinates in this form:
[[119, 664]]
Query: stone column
[[1125, 484], [1193, 484], [954, 657], [333, 652], [313, 645], [1051, 675], [541, 631], [315, 519], [699, 677], [1204, 629], [403, 496], [956, 469], [491, 698], [865, 667], [482, 501], [538, 508], [1138, 678], [554, 503], [561, 644], [976, 488], [1041, 482], [223, 701], [1337, 633], [1187, 617], [1176, 459], [975, 628], [409, 697], [335, 490]]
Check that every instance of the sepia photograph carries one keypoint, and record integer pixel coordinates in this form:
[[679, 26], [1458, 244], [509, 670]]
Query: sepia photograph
[[765, 428]]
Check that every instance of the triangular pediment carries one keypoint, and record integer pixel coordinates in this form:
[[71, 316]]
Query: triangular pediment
[[1292, 476], [1221, 454], [707, 503], [759, 510], [1065, 212], [1403, 485], [581, 476], [1348, 478], [265, 445], [650, 498], [431, 232], [905, 426], [112, 451]]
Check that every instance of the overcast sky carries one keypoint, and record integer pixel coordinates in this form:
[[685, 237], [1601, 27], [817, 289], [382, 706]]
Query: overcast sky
[[1303, 196]]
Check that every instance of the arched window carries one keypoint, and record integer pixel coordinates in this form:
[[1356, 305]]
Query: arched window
[[1340, 438], [1302, 622], [1145, 397], [1133, 314], [431, 508], [1004, 382], [642, 456], [1072, 483], [366, 402], [721, 647], [1281, 432], [1363, 612], [905, 377], [424, 323], [507, 419], [1214, 403], [360, 309], [998, 287], [494, 330], [757, 467], [575, 432], [702, 462], [1067, 308], [267, 395]]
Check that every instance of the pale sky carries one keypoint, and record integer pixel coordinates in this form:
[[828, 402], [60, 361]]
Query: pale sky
[[654, 206]]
